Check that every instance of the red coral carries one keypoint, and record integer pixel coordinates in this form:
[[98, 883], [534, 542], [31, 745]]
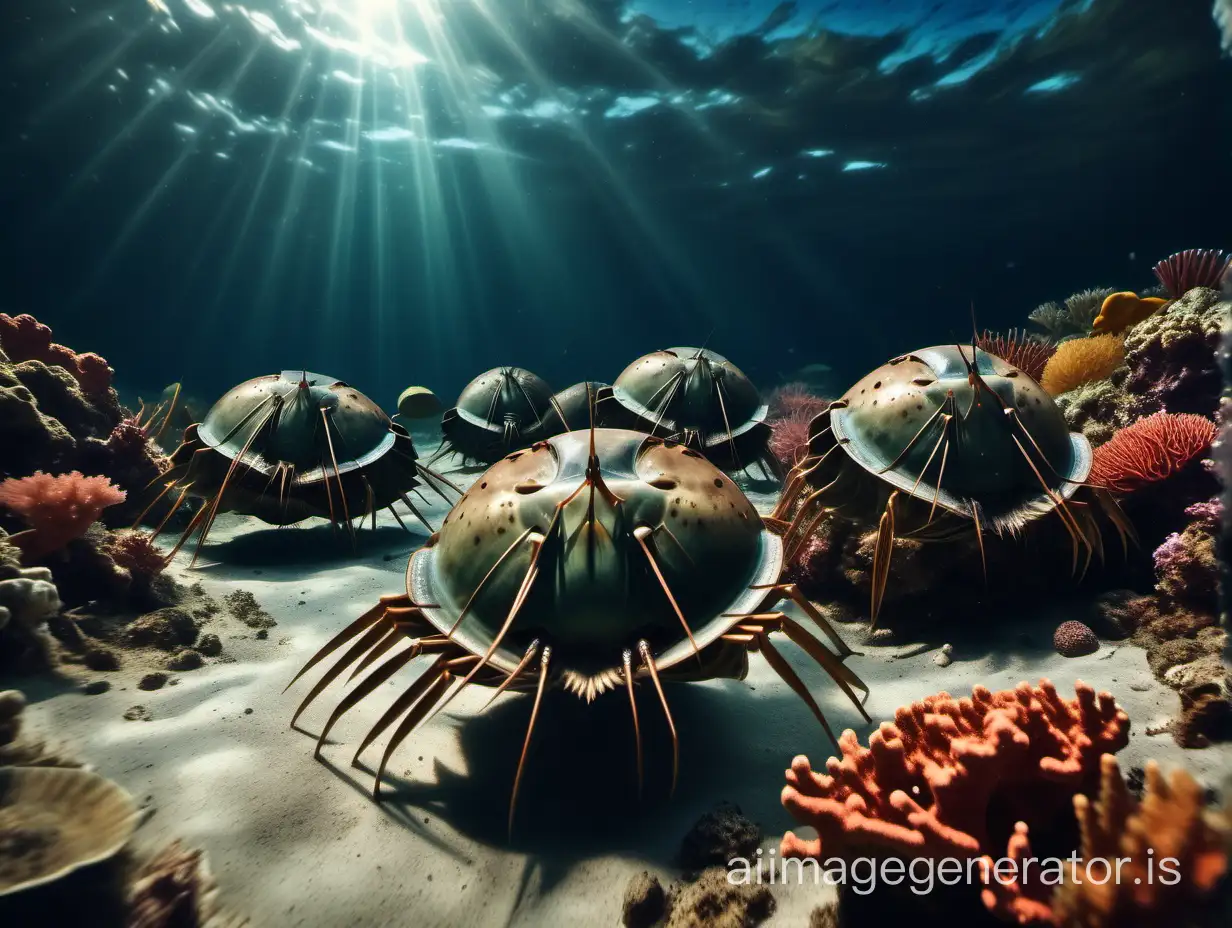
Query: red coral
[[24, 338], [1016, 348], [925, 784], [136, 552], [1196, 267], [789, 438], [1150, 450], [57, 509], [796, 399]]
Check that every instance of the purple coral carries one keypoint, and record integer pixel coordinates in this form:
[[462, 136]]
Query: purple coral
[[1170, 357], [1196, 267], [1186, 569]]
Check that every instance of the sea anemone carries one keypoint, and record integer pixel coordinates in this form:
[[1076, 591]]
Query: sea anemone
[[1150, 450], [57, 509], [1014, 347], [1196, 267], [1082, 360]]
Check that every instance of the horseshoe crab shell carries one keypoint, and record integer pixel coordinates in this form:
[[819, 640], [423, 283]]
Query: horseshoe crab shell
[[497, 412], [699, 398], [57, 820]]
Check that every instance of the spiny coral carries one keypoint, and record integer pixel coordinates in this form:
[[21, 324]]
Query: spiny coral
[[1123, 310], [925, 785], [1196, 267], [1072, 318], [57, 508], [1016, 348], [1171, 356], [1082, 360], [1168, 851], [1095, 409], [1150, 450]]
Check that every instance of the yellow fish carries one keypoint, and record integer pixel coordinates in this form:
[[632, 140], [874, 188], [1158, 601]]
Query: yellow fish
[[1123, 310]]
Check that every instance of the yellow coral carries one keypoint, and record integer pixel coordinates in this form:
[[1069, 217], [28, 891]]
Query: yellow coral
[[1123, 310], [1082, 360]]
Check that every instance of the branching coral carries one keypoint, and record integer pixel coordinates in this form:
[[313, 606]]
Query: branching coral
[[1150, 450], [1196, 267], [1074, 317], [1167, 850], [1082, 360], [57, 508], [1171, 356], [1016, 348], [926, 783]]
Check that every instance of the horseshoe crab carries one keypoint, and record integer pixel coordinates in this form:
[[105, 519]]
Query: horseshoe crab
[[699, 398], [939, 443], [591, 562], [497, 412], [284, 447]]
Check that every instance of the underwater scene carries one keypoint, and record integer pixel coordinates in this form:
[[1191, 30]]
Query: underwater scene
[[681, 463]]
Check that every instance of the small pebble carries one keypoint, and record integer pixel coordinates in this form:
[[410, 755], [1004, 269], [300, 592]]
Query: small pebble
[[262, 634], [186, 659], [138, 714], [248, 712], [95, 687], [210, 645], [153, 681], [101, 659], [945, 656]]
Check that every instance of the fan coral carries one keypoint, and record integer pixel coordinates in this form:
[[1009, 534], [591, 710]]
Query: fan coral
[[1016, 348], [1121, 311], [57, 509], [1072, 318], [1074, 639], [1082, 360], [1169, 854], [24, 338], [1197, 267], [1150, 450], [925, 785], [1095, 409], [1171, 356]]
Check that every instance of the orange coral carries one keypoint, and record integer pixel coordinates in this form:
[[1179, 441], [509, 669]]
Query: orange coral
[[57, 509], [1082, 360], [1167, 852], [925, 784], [1016, 348], [1150, 450], [1124, 310]]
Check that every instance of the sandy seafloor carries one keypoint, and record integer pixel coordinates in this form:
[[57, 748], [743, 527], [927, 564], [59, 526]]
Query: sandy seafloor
[[295, 842]]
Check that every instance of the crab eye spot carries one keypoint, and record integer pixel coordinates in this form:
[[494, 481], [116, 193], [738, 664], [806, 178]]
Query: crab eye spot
[[663, 482]]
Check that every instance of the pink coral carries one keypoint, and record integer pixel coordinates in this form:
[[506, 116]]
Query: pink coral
[[796, 398], [926, 783], [24, 338], [1150, 450], [1196, 267], [1186, 565], [57, 509], [789, 437]]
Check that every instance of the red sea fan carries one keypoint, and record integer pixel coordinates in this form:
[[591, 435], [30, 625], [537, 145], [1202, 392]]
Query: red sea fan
[[57, 509], [1197, 267], [793, 398], [789, 438], [1016, 348], [1150, 450]]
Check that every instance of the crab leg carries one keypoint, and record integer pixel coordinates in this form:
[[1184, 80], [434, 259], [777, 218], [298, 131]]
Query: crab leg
[[792, 679], [372, 616], [731, 439], [979, 537], [366, 687], [486, 577], [627, 665], [434, 692], [356, 651], [643, 650], [144, 512], [640, 533], [418, 515], [517, 671], [329, 441], [544, 660], [881, 556], [408, 698]]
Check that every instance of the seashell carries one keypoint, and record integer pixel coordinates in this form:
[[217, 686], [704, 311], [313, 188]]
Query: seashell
[[54, 821]]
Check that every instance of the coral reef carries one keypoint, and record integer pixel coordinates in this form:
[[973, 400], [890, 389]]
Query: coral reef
[[1096, 409], [24, 338], [1150, 450], [1124, 310], [718, 837], [645, 903], [1074, 639], [1169, 854], [1195, 267], [948, 774], [1171, 356], [1074, 317], [1186, 569], [27, 599], [58, 509], [1082, 360], [1017, 348], [713, 901]]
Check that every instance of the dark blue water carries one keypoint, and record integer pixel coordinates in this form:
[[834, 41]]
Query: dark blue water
[[411, 192]]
